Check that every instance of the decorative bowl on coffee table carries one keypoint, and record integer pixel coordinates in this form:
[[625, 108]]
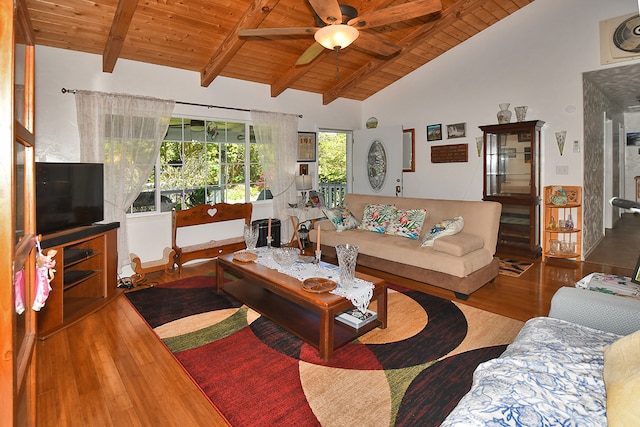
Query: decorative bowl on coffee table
[[285, 257]]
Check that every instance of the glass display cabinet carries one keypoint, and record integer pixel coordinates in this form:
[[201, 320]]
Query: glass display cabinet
[[512, 178]]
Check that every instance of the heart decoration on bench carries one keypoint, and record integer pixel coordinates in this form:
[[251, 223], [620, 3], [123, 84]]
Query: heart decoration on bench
[[212, 212]]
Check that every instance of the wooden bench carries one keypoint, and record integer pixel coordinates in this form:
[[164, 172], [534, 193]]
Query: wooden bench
[[142, 268], [208, 214]]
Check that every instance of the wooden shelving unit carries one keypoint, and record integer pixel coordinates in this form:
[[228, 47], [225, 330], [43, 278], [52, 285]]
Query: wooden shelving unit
[[86, 275], [555, 229]]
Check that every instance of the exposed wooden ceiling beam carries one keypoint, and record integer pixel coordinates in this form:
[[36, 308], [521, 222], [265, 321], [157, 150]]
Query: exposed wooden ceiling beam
[[409, 42], [288, 78], [117, 33], [22, 15], [254, 16]]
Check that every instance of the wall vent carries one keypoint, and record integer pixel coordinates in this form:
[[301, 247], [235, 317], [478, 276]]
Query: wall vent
[[620, 39]]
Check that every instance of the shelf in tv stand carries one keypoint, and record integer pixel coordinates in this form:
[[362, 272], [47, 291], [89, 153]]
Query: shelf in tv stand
[[86, 276], [75, 277]]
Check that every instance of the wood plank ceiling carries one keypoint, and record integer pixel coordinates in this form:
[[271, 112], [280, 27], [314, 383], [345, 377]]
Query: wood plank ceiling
[[202, 36]]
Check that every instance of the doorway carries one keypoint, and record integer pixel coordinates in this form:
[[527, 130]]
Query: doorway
[[333, 165]]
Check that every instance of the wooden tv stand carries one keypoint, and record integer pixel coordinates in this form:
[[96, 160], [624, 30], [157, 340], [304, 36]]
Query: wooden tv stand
[[86, 275]]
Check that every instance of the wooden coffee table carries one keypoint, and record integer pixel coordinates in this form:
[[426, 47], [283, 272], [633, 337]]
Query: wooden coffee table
[[309, 316]]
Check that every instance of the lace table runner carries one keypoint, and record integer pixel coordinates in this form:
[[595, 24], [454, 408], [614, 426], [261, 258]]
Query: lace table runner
[[360, 293]]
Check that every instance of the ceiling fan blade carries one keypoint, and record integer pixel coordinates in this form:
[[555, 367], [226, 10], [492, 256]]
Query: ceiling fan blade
[[310, 54], [276, 32], [328, 10], [396, 13], [375, 44]]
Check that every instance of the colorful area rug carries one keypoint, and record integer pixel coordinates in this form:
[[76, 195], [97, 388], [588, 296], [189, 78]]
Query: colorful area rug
[[412, 373], [513, 267]]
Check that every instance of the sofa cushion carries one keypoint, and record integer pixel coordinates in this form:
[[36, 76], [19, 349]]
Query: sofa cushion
[[459, 244], [481, 218], [406, 223], [550, 375], [622, 381], [446, 227], [407, 251], [341, 218], [376, 217]]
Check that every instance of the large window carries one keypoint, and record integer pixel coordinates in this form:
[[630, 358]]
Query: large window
[[204, 161]]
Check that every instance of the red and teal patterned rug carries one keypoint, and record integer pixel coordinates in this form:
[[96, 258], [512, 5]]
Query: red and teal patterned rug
[[412, 373]]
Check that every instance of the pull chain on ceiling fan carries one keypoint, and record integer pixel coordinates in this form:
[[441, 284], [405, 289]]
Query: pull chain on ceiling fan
[[340, 25]]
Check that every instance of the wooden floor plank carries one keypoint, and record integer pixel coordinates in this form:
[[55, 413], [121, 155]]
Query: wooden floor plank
[[111, 369]]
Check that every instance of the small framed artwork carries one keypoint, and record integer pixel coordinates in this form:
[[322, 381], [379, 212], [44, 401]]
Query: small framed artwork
[[457, 130], [527, 154], [510, 153], [306, 146], [633, 138], [636, 273], [315, 198], [434, 132], [524, 136], [304, 169]]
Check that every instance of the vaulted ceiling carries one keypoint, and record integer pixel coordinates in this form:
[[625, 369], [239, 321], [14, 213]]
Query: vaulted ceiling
[[204, 36]]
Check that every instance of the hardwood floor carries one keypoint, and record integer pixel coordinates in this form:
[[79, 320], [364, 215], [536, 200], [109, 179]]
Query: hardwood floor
[[109, 368]]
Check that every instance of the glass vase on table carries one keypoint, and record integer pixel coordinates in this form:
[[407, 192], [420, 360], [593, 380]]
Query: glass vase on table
[[251, 235]]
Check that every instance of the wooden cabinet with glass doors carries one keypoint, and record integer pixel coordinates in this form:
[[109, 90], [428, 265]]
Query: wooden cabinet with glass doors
[[512, 178], [562, 222]]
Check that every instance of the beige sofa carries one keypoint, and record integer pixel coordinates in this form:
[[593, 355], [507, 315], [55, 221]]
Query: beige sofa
[[462, 263]]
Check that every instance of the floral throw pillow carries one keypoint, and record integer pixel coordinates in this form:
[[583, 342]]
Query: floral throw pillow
[[376, 217], [446, 227], [407, 223], [341, 218]]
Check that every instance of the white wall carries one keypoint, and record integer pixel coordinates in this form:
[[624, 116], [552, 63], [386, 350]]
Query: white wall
[[534, 57], [57, 130], [56, 124]]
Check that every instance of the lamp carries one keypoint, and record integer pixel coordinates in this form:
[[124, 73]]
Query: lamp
[[336, 37], [303, 183]]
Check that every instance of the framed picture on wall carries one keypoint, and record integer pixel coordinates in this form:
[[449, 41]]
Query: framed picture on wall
[[434, 132], [633, 138], [456, 130], [306, 146]]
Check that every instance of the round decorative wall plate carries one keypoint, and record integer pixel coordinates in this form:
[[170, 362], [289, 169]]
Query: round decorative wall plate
[[372, 123], [376, 165]]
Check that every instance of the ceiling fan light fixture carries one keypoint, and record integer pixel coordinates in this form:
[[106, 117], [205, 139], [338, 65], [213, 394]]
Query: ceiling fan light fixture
[[336, 36]]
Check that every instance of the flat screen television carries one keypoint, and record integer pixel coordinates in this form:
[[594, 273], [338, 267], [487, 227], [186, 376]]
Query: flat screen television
[[68, 195]]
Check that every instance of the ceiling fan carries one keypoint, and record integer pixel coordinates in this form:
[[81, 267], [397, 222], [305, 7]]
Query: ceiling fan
[[340, 25]]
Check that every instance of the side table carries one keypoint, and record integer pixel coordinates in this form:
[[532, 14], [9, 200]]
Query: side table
[[298, 215]]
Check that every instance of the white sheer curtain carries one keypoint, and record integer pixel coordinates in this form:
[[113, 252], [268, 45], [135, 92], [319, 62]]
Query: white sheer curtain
[[277, 139], [125, 133]]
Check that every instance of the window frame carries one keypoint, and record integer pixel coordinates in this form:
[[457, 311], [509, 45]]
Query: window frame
[[247, 164]]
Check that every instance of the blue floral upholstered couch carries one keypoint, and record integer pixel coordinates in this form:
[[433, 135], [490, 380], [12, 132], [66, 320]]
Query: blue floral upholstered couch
[[558, 372]]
